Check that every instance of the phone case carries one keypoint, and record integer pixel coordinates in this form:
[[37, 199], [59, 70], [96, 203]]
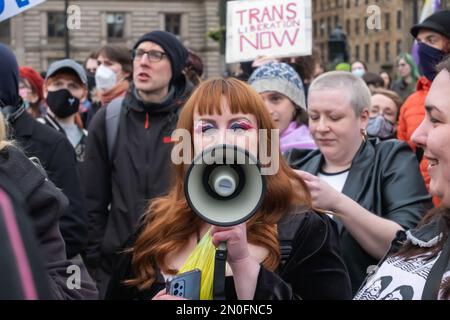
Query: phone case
[[185, 285]]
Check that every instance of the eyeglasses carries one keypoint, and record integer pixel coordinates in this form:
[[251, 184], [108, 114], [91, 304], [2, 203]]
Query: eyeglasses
[[152, 55]]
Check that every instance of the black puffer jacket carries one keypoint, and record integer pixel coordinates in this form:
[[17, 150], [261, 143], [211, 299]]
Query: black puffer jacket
[[45, 204], [384, 179], [138, 171]]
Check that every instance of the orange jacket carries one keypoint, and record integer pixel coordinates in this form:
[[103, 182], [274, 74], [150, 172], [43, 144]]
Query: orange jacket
[[411, 116]]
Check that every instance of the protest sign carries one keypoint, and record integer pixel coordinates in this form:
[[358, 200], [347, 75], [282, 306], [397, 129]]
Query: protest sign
[[274, 28], [10, 8]]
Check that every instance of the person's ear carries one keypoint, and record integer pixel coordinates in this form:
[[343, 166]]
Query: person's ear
[[447, 46], [85, 94], [364, 117], [45, 90]]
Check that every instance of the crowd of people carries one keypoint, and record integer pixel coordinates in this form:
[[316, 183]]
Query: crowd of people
[[362, 193]]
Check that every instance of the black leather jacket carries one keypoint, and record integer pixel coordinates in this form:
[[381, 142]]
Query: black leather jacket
[[313, 269], [384, 179]]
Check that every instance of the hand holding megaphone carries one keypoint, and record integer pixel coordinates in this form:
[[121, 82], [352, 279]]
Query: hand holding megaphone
[[236, 240], [225, 188]]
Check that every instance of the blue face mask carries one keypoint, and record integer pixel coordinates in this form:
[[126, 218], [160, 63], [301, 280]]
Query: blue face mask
[[380, 127], [429, 59], [359, 72]]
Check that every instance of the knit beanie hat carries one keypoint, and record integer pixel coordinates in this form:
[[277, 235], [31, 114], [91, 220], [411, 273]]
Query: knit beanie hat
[[35, 80], [279, 77], [174, 49]]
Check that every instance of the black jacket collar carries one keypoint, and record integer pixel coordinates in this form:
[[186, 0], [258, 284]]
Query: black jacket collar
[[24, 125]]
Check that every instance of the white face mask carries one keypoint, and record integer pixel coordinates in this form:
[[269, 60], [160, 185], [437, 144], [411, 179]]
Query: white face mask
[[359, 72], [105, 78]]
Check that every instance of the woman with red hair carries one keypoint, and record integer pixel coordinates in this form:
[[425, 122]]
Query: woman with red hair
[[221, 111], [30, 89]]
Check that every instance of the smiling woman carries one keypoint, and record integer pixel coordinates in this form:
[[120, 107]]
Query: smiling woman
[[427, 248]]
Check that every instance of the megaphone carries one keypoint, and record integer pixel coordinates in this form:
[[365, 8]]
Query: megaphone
[[224, 185]]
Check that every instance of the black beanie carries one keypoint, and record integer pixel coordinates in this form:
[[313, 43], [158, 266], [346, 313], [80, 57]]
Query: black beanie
[[174, 49], [438, 22]]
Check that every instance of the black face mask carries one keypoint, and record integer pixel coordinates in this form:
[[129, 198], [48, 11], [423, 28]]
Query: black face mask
[[429, 59], [62, 103]]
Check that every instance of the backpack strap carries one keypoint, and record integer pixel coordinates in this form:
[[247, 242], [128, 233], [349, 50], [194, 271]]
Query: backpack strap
[[112, 118]]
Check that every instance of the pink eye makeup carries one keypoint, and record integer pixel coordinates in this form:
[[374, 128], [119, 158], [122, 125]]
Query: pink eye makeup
[[241, 125], [202, 126]]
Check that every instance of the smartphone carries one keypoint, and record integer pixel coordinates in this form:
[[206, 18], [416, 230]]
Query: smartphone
[[185, 285]]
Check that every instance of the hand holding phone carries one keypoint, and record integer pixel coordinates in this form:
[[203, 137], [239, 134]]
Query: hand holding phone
[[185, 285]]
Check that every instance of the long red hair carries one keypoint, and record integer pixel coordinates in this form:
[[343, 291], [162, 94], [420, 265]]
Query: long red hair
[[169, 221]]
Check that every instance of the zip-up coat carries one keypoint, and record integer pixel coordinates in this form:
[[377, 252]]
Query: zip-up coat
[[138, 171]]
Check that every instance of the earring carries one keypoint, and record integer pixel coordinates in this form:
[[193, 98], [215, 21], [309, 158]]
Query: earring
[[364, 134]]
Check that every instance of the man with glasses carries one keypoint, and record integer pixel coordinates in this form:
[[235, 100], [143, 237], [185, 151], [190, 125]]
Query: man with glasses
[[122, 175]]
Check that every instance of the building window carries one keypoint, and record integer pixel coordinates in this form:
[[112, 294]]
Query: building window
[[399, 20], [329, 26], [399, 47], [322, 51], [377, 52], [387, 22], [315, 29], [357, 26], [322, 28], [116, 25], [347, 27], [173, 23], [56, 24], [367, 53], [348, 4], [5, 32], [387, 52], [336, 21], [357, 52]]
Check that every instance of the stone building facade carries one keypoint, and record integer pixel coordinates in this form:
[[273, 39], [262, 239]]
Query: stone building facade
[[378, 47], [37, 36]]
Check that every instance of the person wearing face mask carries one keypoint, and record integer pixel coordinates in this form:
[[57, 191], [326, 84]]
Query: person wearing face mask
[[111, 77], [30, 89], [53, 150], [383, 114], [65, 86], [433, 37], [359, 68]]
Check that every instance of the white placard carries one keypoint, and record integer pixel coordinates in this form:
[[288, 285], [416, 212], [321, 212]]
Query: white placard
[[10, 8], [273, 28]]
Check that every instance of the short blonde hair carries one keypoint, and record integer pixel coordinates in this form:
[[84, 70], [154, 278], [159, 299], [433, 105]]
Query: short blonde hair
[[347, 82]]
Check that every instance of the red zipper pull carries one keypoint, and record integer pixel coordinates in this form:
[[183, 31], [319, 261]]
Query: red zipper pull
[[146, 121]]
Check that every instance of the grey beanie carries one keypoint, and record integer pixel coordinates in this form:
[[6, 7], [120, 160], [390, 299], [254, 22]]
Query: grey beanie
[[279, 77]]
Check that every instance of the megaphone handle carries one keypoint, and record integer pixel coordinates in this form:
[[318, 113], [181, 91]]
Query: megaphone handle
[[219, 271]]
